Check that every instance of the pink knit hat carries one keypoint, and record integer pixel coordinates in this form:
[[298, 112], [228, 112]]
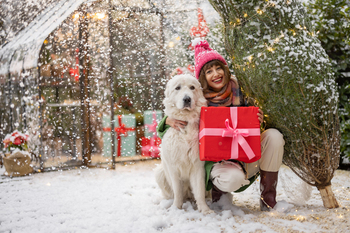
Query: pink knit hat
[[203, 54]]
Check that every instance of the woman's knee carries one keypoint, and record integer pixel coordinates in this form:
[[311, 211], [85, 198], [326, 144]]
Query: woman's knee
[[227, 177], [273, 136], [272, 149]]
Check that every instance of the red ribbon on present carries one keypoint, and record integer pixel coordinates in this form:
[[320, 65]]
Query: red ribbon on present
[[238, 135], [121, 131]]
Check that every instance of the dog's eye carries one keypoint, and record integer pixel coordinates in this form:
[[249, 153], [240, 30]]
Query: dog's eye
[[192, 87], [177, 88]]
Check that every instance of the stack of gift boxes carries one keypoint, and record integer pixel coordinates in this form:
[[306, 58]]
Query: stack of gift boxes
[[151, 142], [125, 141]]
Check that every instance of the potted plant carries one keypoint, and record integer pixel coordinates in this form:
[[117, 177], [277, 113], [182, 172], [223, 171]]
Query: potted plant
[[17, 159]]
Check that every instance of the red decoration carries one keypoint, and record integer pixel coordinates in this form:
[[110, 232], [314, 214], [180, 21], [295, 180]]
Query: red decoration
[[202, 29], [191, 68], [150, 147], [229, 133], [179, 71], [75, 72], [121, 131]]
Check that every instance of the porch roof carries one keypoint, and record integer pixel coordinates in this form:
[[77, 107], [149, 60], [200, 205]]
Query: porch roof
[[22, 52]]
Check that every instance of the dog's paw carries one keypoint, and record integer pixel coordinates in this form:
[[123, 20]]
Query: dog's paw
[[209, 211], [175, 207], [206, 210]]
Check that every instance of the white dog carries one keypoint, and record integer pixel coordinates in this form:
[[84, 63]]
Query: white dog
[[181, 173]]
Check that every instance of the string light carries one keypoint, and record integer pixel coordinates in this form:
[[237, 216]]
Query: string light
[[76, 16], [299, 218], [270, 49], [250, 58], [99, 16], [171, 44]]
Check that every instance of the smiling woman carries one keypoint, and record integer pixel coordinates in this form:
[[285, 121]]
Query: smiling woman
[[216, 75]]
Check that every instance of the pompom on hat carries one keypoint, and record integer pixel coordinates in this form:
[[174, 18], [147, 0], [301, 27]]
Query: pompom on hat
[[203, 54]]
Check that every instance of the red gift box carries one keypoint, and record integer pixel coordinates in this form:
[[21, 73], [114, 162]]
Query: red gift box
[[229, 133], [150, 146]]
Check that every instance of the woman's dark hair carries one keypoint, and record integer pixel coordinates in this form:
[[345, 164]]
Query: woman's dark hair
[[202, 79]]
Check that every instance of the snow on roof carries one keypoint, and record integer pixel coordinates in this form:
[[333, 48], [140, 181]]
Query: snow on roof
[[22, 52]]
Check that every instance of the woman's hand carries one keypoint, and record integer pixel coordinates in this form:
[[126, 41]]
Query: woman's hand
[[176, 124], [261, 116]]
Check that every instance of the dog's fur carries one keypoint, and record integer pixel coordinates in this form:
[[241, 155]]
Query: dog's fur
[[181, 173]]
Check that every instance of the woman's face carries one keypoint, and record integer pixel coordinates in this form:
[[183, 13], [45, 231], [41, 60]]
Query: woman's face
[[215, 77]]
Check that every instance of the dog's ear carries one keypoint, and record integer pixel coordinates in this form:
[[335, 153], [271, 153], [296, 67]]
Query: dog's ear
[[202, 101]]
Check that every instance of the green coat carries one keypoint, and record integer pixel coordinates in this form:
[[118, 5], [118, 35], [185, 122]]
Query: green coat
[[161, 130]]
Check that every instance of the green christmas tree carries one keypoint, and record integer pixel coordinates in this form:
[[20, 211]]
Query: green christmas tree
[[280, 63]]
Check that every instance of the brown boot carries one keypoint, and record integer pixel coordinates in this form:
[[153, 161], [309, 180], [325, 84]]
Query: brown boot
[[268, 184], [216, 194]]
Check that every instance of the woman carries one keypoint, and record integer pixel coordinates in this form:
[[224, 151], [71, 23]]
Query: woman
[[221, 89]]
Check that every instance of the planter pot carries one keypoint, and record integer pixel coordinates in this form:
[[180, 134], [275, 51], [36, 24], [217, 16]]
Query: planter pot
[[17, 164]]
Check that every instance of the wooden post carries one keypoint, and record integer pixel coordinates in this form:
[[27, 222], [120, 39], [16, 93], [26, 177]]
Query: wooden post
[[111, 81], [24, 114], [163, 75], [84, 86], [41, 115], [162, 45]]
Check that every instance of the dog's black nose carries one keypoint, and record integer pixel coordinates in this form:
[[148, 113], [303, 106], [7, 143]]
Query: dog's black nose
[[187, 101]]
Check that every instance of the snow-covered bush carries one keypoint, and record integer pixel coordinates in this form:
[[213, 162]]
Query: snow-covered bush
[[280, 62], [331, 20]]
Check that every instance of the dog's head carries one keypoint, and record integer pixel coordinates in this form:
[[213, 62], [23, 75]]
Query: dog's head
[[183, 94]]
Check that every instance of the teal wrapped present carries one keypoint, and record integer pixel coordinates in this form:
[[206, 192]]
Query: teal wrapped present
[[125, 141], [151, 119]]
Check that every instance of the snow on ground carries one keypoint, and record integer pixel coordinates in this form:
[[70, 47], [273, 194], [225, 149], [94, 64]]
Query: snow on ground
[[127, 199]]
